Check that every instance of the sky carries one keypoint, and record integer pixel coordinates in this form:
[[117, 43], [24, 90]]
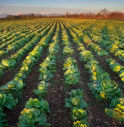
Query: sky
[[59, 6]]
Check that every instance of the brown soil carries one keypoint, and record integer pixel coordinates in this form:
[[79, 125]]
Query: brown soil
[[57, 92], [31, 82], [102, 59], [96, 109], [113, 57], [59, 115], [9, 74]]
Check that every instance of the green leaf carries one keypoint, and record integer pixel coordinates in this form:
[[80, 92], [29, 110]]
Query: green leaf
[[46, 125], [114, 102], [67, 103], [32, 117], [3, 121], [43, 120], [76, 92], [115, 113], [19, 84], [41, 89], [29, 117], [75, 102], [2, 99], [9, 62], [78, 114], [35, 103], [81, 123], [10, 101]]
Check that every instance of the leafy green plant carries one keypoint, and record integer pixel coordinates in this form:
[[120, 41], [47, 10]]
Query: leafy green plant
[[106, 89], [96, 48], [2, 52], [7, 100], [47, 68], [32, 117], [71, 75], [54, 47], [34, 114], [1, 72], [86, 55], [9, 62], [13, 86], [76, 104], [82, 123], [75, 100], [3, 121], [72, 78], [86, 39], [117, 68], [116, 109], [78, 114], [76, 92], [69, 63], [42, 105], [41, 89], [67, 50]]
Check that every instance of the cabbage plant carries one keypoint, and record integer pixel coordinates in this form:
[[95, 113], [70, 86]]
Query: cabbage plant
[[82, 123], [78, 114], [32, 117], [7, 100], [3, 121], [75, 100], [116, 109], [41, 89], [106, 89], [42, 105], [9, 62]]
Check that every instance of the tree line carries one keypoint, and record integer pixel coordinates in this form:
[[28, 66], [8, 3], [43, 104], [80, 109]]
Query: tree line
[[103, 14]]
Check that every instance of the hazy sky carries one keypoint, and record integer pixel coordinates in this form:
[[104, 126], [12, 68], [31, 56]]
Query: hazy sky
[[59, 6]]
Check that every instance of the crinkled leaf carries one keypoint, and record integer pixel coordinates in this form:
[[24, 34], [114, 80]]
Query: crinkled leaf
[[10, 101], [114, 113], [3, 121]]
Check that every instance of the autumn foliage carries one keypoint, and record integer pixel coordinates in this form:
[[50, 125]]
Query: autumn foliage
[[102, 14]]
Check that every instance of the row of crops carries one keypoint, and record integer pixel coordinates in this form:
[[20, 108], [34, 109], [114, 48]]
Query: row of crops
[[24, 44]]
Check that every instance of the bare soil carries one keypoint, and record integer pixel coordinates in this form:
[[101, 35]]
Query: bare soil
[[57, 91]]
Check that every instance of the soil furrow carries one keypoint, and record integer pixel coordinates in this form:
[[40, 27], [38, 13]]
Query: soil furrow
[[31, 82], [106, 68], [112, 56], [9, 74], [94, 118], [59, 115]]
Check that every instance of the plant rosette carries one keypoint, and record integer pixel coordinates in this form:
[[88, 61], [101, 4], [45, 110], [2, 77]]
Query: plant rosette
[[82, 123], [32, 117], [75, 102], [116, 109], [78, 114]]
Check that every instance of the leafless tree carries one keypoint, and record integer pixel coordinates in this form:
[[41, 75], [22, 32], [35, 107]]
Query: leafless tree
[[67, 14], [104, 12]]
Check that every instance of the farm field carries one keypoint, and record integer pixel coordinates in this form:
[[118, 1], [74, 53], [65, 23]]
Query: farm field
[[62, 73]]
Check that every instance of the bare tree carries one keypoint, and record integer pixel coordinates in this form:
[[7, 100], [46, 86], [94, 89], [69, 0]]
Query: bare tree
[[104, 12], [67, 14], [32, 15]]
